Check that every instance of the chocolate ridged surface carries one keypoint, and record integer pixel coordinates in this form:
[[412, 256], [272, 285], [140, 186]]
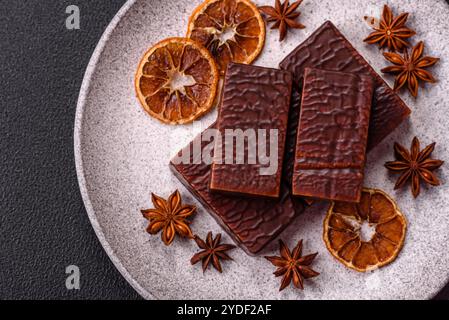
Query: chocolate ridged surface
[[254, 98], [328, 49], [251, 222], [332, 135]]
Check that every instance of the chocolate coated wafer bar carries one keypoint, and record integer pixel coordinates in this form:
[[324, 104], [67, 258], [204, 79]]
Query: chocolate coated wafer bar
[[254, 110], [332, 136]]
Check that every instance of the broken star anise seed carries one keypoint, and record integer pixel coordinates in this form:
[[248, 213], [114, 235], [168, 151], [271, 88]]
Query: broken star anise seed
[[283, 15], [170, 216], [410, 68], [391, 32], [415, 165], [293, 266], [212, 252]]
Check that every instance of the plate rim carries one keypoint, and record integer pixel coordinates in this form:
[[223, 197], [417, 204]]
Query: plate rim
[[77, 138]]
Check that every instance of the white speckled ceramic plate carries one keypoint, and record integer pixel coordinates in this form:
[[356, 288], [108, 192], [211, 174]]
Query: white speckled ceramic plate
[[122, 155]]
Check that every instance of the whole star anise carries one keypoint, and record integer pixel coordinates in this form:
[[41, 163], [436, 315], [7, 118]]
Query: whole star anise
[[292, 265], [212, 252], [415, 165], [170, 217], [283, 15], [391, 31], [410, 68]]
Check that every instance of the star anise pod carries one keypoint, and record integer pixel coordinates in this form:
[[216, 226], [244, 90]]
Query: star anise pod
[[170, 217], [292, 265], [212, 252], [410, 68], [415, 165], [283, 15], [391, 31]]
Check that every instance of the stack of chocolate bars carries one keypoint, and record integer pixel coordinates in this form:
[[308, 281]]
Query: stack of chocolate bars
[[327, 106]]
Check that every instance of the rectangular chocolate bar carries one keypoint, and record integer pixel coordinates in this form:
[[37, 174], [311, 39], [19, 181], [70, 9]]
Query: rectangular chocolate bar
[[332, 135], [328, 49], [251, 222], [253, 112]]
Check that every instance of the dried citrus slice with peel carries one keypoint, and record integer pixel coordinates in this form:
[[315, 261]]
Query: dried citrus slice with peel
[[176, 81], [232, 30], [367, 235]]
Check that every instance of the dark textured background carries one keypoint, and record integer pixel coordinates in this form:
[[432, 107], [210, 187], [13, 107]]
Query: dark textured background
[[43, 223]]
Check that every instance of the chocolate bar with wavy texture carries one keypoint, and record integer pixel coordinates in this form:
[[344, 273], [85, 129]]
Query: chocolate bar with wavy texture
[[255, 104], [332, 136], [328, 49]]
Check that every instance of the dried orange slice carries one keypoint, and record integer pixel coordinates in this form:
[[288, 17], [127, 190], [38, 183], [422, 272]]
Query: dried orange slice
[[176, 81], [367, 235], [232, 30]]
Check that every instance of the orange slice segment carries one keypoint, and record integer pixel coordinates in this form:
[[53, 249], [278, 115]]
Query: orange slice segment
[[232, 30], [366, 235], [176, 81]]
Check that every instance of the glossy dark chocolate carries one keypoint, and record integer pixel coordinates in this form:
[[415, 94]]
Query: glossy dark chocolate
[[251, 222], [254, 98], [328, 49], [332, 136]]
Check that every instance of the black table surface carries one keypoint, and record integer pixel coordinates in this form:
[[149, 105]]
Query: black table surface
[[43, 224]]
